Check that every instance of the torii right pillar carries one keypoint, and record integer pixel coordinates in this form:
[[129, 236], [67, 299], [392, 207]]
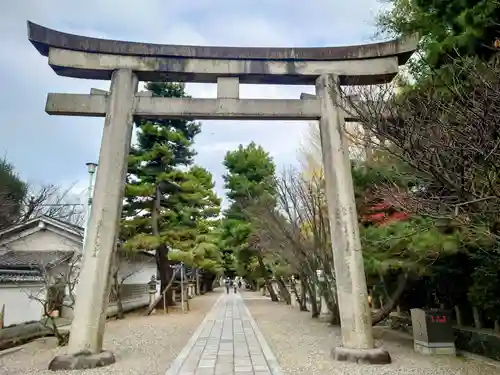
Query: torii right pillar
[[355, 314]]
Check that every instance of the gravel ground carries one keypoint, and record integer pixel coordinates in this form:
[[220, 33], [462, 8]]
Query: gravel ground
[[302, 345], [142, 345]]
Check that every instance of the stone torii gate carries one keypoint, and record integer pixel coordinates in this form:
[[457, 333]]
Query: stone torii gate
[[126, 63]]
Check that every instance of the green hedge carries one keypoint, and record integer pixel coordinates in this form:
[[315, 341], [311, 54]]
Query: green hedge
[[470, 340], [478, 342], [22, 333]]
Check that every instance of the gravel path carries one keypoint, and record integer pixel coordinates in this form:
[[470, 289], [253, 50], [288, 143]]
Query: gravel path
[[302, 345], [142, 345]]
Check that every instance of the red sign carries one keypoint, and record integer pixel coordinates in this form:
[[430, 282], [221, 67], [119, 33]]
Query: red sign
[[438, 319]]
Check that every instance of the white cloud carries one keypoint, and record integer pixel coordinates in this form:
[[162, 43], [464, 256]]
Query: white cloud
[[55, 149]]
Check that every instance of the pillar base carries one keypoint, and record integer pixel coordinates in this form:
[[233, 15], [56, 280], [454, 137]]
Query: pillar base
[[375, 356], [82, 360]]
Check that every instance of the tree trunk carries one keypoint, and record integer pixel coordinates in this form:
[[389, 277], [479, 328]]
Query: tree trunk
[[118, 296], [254, 286], [458, 315], [62, 338], [162, 262], [269, 286], [208, 282], [285, 294], [314, 305], [295, 293], [197, 275], [478, 321], [330, 298], [311, 291], [270, 289], [303, 288], [165, 273], [119, 306], [386, 309]]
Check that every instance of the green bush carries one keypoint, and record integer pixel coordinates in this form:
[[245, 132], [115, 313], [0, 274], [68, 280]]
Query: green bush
[[481, 343]]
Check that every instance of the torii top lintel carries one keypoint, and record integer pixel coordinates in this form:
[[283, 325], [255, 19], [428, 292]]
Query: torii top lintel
[[185, 63]]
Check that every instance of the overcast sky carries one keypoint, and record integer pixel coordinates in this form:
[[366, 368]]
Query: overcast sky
[[50, 149]]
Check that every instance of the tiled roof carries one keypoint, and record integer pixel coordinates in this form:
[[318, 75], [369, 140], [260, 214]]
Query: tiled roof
[[29, 260], [17, 276], [26, 266], [68, 227]]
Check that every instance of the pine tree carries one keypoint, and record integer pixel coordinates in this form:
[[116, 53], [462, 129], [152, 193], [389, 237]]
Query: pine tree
[[250, 179], [167, 207], [449, 29], [12, 193]]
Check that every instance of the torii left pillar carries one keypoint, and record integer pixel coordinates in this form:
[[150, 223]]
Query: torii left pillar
[[87, 328]]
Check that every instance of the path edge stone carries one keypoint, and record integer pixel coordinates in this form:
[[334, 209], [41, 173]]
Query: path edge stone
[[272, 362], [176, 365]]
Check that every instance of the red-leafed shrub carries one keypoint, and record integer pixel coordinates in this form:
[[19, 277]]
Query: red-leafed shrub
[[383, 213]]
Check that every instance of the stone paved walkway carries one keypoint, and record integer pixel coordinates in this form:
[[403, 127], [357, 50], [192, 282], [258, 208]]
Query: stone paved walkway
[[227, 342]]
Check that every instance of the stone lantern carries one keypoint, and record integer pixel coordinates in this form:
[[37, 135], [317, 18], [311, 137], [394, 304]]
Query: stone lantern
[[152, 289], [324, 313]]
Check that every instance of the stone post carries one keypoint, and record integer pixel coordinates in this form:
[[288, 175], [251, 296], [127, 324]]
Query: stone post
[[198, 282], [87, 328], [355, 314], [324, 313]]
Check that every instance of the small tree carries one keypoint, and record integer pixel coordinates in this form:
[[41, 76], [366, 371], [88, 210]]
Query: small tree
[[58, 291], [12, 193], [52, 201], [120, 273]]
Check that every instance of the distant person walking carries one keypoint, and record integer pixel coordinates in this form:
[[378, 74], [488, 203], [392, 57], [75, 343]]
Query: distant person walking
[[226, 283]]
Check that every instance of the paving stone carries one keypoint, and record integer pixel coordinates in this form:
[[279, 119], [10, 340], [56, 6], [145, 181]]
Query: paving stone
[[207, 363], [243, 369], [205, 371], [260, 368], [227, 344]]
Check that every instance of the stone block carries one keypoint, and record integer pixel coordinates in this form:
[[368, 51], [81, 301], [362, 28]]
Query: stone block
[[375, 356], [243, 369], [206, 363], [81, 361], [433, 331]]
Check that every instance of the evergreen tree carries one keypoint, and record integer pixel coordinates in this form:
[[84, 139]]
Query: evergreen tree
[[168, 207], [12, 193], [449, 29], [250, 179]]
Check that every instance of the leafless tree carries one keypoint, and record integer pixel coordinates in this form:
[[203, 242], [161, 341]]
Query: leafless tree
[[448, 133], [58, 291], [120, 273], [296, 232], [52, 201], [49, 200]]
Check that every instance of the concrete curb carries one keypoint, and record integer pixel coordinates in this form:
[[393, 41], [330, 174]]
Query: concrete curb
[[180, 359], [10, 350], [272, 362], [461, 353]]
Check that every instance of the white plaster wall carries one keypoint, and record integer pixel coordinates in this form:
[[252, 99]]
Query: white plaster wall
[[141, 273], [18, 307], [43, 240], [130, 304], [137, 296]]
